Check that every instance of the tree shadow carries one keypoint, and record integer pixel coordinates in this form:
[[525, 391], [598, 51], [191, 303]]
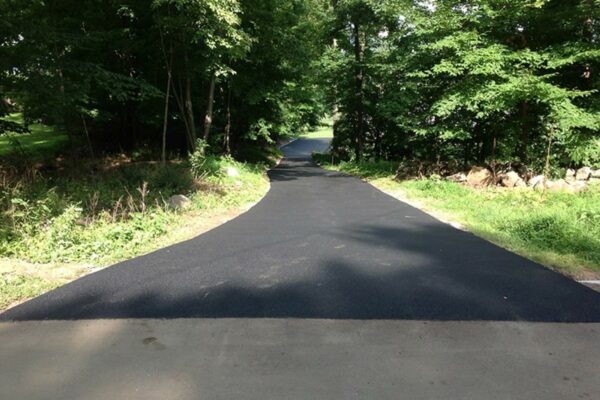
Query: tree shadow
[[294, 169], [414, 275], [303, 148], [346, 251]]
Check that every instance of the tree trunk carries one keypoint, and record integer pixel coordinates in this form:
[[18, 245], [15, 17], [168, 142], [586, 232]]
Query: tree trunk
[[359, 100], [335, 107], [87, 137], [209, 108], [176, 94], [548, 153], [189, 108], [227, 138], [524, 137], [166, 116]]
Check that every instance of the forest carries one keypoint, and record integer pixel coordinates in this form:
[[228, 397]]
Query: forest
[[107, 108], [473, 81]]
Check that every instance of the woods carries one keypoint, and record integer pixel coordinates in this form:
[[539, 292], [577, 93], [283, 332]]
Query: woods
[[474, 81], [117, 76]]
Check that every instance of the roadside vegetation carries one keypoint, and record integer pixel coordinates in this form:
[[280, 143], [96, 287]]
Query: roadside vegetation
[[108, 114], [323, 131], [510, 89], [41, 142], [560, 230], [60, 224], [128, 127]]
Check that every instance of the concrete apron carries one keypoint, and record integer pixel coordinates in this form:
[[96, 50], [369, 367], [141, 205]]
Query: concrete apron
[[298, 359]]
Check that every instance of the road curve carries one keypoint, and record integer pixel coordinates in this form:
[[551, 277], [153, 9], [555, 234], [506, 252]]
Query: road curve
[[323, 245]]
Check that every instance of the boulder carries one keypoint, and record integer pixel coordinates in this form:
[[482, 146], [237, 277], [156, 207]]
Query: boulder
[[570, 176], [540, 186], [577, 187], [596, 174], [232, 172], [511, 179], [480, 177], [583, 174], [536, 181], [458, 178], [559, 186], [178, 202]]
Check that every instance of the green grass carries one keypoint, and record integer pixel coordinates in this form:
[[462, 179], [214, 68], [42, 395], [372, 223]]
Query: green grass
[[43, 142], [99, 214], [14, 288], [324, 131], [560, 230]]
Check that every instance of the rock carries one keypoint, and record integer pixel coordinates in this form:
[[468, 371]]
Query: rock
[[540, 186], [570, 176], [458, 178], [480, 177], [511, 179], [583, 174], [232, 172], [577, 187], [536, 181], [178, 201], [559, 185], [596, 174]]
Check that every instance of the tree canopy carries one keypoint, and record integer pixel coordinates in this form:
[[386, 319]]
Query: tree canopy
[[475, 81]]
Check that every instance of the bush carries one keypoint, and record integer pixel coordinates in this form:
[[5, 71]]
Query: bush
[[268, 155]]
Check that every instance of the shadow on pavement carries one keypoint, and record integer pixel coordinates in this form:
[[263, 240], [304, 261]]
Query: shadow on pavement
[[324, 248], [432, 286]]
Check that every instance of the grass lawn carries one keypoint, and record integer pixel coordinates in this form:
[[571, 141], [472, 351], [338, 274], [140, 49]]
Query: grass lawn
[[43, 141], [324, 131], [559, 230]]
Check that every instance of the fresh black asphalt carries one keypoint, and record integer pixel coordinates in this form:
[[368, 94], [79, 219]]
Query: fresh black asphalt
[[324, 245]]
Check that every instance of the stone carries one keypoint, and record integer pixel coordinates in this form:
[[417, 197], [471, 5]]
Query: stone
[[511, 179], [540, 186], [178, 202], [559, 186], [577, 187], [570, 175], [480, 177], [232, 172], [583, 174], [461, 177], [536, 181], [596, 174]]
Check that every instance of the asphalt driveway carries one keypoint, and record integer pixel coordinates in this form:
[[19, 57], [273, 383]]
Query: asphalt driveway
[[324, 245]]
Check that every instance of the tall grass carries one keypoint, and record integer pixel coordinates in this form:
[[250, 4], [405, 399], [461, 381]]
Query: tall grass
[[101, 216]]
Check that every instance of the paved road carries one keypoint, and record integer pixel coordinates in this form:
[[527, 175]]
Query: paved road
[[327, 289], [324, 245]]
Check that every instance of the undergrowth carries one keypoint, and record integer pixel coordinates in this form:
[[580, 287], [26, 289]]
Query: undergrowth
[[112, 210]]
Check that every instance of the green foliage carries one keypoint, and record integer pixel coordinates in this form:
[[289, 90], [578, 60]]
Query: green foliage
[[18, 287], [473, 81], [102, 217], [100, 74], [36, 142], [266, 155]]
